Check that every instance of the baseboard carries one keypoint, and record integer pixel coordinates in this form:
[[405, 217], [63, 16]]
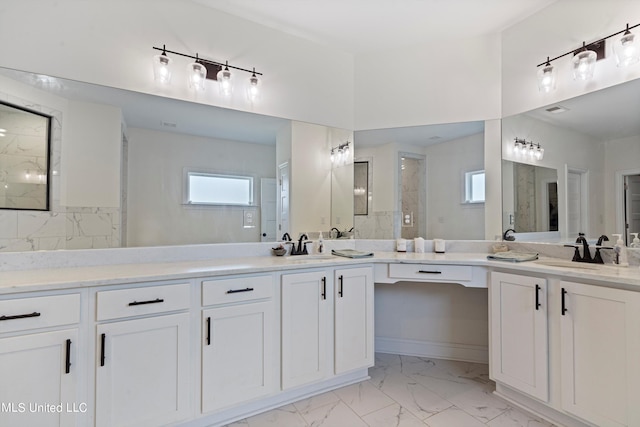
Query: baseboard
[[437, 350]]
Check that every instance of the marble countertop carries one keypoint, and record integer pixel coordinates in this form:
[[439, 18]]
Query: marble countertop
[[79, 277]]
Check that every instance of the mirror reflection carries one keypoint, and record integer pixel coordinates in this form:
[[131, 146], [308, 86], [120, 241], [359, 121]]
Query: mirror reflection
[[593, 142], [360, 187], [24, 158], [417, 181]]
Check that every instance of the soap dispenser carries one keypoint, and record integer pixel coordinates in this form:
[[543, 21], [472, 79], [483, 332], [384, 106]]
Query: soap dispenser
[[321, 249], [620, 251], [636, 242]]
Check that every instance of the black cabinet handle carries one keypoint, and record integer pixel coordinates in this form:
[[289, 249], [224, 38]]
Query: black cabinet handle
[[153, 301], [20, 316], [68, 358], [324, 288], [102, 339], [538, 297], [564, 306], [340, 288], [429, 272], [235, 291], [208, 330]]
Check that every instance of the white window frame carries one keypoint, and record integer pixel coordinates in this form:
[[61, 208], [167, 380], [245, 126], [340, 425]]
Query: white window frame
[[468, 187], [188, 173]]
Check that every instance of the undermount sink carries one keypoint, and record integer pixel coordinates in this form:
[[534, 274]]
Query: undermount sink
[[308, 257], [568, 264]]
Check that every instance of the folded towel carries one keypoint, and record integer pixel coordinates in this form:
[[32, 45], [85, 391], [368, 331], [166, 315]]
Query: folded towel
[[351, 253], [513, 256]]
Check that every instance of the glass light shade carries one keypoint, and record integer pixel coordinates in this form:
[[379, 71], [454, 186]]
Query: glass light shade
[[162, 69], [539, 153], [546, 78], [531, 151], [253, 90], [627, 50], [197, 73], [333, 156], [225, 82], [584, 63]]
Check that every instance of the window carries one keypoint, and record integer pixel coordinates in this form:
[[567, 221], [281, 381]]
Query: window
[[474, 187], [214, 189]]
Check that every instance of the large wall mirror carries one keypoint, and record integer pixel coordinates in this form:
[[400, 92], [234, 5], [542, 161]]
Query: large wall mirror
[[418, 182], [119, 161], [592, 144], [24, 158]]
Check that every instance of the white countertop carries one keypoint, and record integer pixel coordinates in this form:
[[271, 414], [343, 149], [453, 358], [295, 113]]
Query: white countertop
[[78, 277]]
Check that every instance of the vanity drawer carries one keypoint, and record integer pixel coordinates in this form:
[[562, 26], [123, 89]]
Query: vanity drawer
[[223, 291], [139, 301], [431, 272], [39, 312]]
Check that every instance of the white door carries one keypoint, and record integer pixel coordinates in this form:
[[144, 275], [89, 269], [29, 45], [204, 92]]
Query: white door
[[47, 374], [237, 354], [575, 196], [283, 205], [519, 344], [600, 350], [142, 372], [632, 205], [306, 299], [353, 326], [268, 208]]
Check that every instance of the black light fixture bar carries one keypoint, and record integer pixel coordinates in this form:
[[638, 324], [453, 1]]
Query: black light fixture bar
[[584, 45], [207, 61]]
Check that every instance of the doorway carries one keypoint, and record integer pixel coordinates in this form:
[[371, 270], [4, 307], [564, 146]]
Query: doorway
[[631, 206]]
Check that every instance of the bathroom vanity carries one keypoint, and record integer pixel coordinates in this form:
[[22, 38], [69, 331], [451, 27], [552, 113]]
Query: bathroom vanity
[[204, 340]]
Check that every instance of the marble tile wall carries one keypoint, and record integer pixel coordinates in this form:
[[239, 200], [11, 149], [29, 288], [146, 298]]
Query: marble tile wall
[[61, 227], [377, 225]]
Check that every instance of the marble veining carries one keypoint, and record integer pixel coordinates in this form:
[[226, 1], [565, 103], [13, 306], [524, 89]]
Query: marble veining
[[394, 397]]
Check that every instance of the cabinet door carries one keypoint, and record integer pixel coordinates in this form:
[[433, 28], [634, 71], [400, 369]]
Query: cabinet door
[[237, 354], [600, 354], [46, 376], [353, 326], [305, 309], [519, 343], [142, 371]]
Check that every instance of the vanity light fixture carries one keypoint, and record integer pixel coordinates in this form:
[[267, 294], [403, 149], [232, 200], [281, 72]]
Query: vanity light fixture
[[340, 154], [522, 148], [583, 64], [203, 69]]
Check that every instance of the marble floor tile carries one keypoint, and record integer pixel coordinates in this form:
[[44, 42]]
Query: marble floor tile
[[480, 404], [453, 417], [363, 398], [315, 402], [445, 383], [515, 418], [392, 416], [285, 416], [415, 397], [336, 414]]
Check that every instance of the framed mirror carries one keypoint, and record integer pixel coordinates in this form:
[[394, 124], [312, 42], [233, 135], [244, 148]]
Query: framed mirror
[[25, 141]]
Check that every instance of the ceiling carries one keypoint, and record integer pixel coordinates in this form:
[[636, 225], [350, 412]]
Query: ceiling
[[417, 135], [359, 26]]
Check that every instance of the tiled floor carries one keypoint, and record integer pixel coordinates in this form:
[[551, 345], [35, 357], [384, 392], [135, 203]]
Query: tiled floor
[[405, 391]]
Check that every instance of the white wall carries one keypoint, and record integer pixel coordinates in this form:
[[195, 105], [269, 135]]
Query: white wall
[[156, 214], [91, 155], [559, 28], [110, 43], [439, 82], [447, 216]]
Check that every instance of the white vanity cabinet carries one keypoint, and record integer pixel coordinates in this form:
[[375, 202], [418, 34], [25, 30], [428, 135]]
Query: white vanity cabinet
[[600, 354], [519, 342], [40, 336], [238, 340], [143, 358], [326, 314]]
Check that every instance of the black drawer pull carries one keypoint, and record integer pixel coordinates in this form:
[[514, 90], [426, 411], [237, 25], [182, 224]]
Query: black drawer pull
[[429, 272], [538, 297], [102, 339], [208, 330], [564, 305], [340, 289], [20, 316], [323, 294], [68, 358], [153, 301], [235, 291]]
